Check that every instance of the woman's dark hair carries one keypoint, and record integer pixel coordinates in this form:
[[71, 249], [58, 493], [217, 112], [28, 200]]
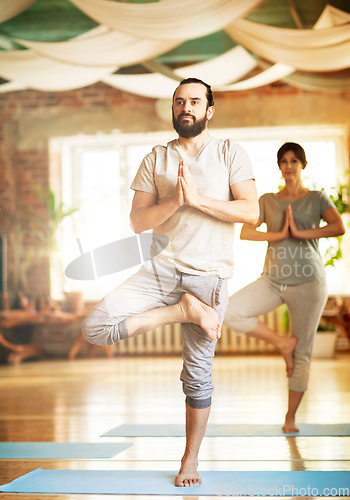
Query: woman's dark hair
[[209, 92], [297, 150]]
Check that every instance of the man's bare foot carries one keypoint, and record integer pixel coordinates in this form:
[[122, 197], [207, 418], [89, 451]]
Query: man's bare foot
[[286, 348], [188, 475], [289, 425], [200, 314]]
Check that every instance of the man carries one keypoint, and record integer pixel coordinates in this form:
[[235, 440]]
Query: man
[[193, 191]]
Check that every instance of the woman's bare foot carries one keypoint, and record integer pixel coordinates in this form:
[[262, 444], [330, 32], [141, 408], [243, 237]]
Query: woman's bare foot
[[200, 314], [188, 475], [289, 425], [286, 348]]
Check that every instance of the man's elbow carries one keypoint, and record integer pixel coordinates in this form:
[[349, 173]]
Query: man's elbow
[[134, 226], [254, 214]]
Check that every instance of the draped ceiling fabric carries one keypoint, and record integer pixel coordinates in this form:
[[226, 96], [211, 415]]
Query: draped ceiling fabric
[[153, 85], [157, 85], [309, 82], [102, 46], [11, 87], [328, 50], [138, 33], [167, 19], [332, 17], [10, 8], [324, 48], [237, 62], [44, 74]]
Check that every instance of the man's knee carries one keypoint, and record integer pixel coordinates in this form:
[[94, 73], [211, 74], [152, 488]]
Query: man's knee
[[93, 330], [197, 386], [199, 404], [102, 329], [87, 327]]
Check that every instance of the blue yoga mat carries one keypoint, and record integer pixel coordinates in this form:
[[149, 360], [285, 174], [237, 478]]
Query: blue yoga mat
[[217, 430], [42, 450], [228, 483]]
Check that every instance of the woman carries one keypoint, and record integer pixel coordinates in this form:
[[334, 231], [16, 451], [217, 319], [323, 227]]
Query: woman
[[293, 271]]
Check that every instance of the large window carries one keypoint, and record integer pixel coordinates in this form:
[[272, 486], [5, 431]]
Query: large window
[[95, 172]]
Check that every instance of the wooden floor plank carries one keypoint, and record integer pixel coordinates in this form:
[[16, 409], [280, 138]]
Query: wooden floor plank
[[77, 401]]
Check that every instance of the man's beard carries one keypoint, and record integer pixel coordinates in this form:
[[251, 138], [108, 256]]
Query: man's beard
[[188, 129]]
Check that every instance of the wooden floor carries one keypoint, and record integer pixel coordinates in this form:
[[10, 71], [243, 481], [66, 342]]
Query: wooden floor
[[77, 401]]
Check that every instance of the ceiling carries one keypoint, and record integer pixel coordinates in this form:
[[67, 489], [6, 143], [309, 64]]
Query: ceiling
[[60, 20]]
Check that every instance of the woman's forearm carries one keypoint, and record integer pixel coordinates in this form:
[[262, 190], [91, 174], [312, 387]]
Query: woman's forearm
[[332, 229], [252, 234]]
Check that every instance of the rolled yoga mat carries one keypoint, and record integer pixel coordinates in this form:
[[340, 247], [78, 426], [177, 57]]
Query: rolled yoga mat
[[227, 430], [228, 483], [69, 451]]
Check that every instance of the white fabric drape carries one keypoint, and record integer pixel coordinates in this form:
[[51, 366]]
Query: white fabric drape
[[167, 19], [226, 68], [102, 46], [331, 16], [36, 72], [276, 72], [11, 8], [159, 86], [293, 39], [309, 82], [151, 85], [220, 70], [11, 87], [95, 55], [323, 48], [230, 67]]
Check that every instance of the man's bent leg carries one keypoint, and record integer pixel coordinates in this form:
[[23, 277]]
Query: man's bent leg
[[188, 310], [138, 305], [106, 323]]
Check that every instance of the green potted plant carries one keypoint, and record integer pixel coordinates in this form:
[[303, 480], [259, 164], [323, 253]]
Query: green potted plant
[[327, 335], [45, 228], [325, 341], [341, 200]]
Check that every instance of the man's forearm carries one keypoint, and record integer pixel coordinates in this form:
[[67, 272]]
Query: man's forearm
[[145, 218], [245, 211]]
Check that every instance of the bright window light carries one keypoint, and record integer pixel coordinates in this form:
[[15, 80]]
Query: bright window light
[[95, 172]]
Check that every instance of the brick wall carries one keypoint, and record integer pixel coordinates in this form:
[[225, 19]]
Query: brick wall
[[29, 118], [22, 166]]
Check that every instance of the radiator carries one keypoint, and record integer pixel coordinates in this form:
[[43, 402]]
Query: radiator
[[168, 339]]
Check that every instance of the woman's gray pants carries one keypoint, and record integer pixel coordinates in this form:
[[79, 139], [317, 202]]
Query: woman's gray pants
[[305, 303]]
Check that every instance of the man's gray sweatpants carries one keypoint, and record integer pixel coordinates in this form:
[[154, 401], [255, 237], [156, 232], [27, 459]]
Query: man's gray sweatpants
[[305, 304], [156, 286]]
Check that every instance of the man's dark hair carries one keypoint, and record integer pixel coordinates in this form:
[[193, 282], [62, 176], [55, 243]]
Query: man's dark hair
[[295, 148], [209, 93]]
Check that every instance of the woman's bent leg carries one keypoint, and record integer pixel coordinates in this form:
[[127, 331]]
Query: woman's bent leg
[[260, 297]]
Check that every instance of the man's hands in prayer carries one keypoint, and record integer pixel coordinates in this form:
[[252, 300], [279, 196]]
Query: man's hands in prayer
[[189, 188]]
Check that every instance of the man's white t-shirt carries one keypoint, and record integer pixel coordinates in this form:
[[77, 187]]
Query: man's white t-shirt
[[199, 243]]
